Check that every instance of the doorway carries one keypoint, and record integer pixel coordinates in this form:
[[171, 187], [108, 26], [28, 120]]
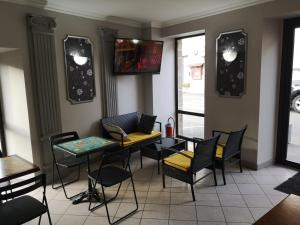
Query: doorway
[[190, 86], [288, 138]]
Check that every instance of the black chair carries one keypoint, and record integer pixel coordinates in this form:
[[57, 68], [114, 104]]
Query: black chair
[[66, 162], [183, 165], [18, 210], [232, 149], [111, 172]]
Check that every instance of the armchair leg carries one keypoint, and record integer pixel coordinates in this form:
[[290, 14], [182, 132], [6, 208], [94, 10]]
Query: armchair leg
[[223, 172], [141, 158], [215, 177], [193, 194], [241, 168]]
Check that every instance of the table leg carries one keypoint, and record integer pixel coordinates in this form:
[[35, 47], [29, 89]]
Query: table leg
[[89, 194], [141, 158], [158, 166]]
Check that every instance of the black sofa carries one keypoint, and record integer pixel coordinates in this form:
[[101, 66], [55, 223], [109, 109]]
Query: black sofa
[[129, 123]]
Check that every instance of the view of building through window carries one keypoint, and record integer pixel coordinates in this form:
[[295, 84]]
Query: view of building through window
[[190, 86], [293, 153]]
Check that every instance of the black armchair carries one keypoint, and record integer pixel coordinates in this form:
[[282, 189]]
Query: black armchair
[[232, 148], [66, 162], [22, 209], [183, 165]]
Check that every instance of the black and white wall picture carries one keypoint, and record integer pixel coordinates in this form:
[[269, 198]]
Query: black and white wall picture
[[79, 69], [231, 63]]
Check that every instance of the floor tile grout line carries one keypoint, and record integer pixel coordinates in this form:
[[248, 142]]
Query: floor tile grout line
[[146, 198], [246, 201], [153, 176], [221, 207]]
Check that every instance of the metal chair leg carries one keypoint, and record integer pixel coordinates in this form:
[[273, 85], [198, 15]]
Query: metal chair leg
[[65, 184], [163, 179], [105, 203], [48, 213], [40, 217], [128, 214], [134, 192]]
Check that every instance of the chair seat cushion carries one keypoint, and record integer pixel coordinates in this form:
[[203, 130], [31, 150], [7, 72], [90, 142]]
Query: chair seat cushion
[[219, 153], [71, 161], [21, 210], [179, 161], [110, 175], [137, 137]]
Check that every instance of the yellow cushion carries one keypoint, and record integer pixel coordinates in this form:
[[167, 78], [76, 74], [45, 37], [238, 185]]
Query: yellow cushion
[[219, 153], [139, 137], [179, 161]]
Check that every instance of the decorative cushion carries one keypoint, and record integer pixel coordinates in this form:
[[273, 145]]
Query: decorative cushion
[[113, 128], [220, 149], [146, 123], [139, 137], [179, 161]]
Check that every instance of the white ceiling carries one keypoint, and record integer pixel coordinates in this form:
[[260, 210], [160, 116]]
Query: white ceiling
[[159, 13]]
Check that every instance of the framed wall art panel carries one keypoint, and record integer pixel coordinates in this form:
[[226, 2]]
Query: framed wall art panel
[[231, 63], [79, 68]]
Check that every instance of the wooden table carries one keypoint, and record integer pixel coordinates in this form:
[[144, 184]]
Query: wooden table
[[85, 147], [287, 212], [12, 167]]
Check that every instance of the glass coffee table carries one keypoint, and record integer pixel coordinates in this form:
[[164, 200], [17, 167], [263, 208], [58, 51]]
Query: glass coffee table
[[154, 150]]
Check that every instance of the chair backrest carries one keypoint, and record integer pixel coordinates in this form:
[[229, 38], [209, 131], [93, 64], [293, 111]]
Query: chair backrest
[[23, 187], [116, 157], [128, 122], [204, 153], [234, 143], [61, 138]]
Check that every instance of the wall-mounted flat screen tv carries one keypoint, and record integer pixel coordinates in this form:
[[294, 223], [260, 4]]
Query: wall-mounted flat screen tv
[[133, 56]]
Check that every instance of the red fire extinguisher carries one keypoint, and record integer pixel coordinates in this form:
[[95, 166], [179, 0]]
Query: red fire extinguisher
[[169, 129]]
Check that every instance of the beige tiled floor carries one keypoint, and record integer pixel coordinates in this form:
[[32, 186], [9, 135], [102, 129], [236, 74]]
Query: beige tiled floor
[[244, 199]]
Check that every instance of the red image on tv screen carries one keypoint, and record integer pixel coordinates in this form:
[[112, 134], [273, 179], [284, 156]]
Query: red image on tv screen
[[137, 56]]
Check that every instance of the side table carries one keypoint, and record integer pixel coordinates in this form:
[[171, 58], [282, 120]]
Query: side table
[[154, 150]]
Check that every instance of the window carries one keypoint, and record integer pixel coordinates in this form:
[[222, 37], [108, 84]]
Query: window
[[190, 86]]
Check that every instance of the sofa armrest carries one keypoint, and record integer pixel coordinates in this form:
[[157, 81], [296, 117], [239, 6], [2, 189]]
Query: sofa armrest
[[159, 123]]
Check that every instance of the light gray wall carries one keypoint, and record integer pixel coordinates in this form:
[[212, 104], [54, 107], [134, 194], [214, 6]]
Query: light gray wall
[[159, 89], [233, 113], [82, 117], [269, 90], [164, 85], [14, 105]]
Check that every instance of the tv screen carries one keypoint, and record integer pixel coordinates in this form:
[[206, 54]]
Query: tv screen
[[134, 56]]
